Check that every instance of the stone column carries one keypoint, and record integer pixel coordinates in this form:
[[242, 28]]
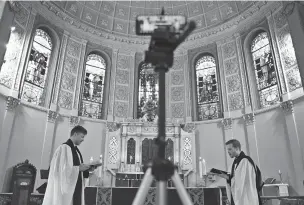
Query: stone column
[[110, 111], [123, 145], [296, 178], [294, 11], [276, 51], [26, 46], [228, 135], [57, 81], [241, 60], [7, 10], [249, 123], [6, 134], [187, 85], [79, 76], [132, 87], [48, 143], [222, 77]]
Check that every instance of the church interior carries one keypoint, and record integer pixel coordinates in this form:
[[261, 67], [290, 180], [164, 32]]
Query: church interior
[[239, 75]]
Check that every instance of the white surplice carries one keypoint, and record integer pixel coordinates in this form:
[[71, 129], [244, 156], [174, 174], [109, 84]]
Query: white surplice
[[243, 185], [62, 178]]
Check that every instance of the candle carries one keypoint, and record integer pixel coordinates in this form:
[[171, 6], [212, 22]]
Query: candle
[[204, 167], [131, 158], [91, 159], [100, 158], [169, 158], [279, 171], [100, 168], [200, 166]]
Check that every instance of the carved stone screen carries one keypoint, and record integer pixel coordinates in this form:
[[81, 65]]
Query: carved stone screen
[[149, 150]]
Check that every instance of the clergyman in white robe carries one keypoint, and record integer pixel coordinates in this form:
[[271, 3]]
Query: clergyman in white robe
[[241, 182], [242, 186], [63, 176]]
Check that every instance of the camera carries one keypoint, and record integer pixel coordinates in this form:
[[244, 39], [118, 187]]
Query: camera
[[147, 25]]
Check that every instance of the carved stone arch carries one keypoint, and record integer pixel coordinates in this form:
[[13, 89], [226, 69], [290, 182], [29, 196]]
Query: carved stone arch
[[56, 42], [105, 98], [250, 70], [209, 50]]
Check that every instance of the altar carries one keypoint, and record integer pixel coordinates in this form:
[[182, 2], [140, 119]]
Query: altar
[[130, 144]]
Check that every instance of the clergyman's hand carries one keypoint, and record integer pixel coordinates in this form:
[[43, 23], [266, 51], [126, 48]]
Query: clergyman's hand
[[225, 176], [84, 167]]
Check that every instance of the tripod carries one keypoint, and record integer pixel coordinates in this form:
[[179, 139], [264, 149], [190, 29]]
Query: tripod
[[160, 55]]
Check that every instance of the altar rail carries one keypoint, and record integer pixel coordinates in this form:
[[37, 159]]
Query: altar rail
[[125, 196]]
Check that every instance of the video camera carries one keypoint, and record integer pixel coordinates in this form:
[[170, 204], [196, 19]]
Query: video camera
[[167, 32]]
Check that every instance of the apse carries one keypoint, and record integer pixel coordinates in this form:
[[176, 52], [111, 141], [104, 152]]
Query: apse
[[237, 76]]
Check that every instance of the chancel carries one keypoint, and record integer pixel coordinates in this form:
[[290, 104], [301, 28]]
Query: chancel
[[239, 75]]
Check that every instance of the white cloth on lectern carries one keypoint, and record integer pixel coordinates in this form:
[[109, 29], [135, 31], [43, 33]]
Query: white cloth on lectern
[[62, 178], [243, 185]]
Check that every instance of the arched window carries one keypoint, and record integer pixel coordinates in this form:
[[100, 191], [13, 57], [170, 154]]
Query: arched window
[[265, 72], [93, 87], [36, 72], [208, 100], [147, 93]]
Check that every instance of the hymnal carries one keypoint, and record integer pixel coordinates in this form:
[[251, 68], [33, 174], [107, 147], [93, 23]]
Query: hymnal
[[217, 171], [95, 164]]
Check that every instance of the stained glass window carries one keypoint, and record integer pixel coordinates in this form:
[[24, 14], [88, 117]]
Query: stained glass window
[[147, 93], [208, 101], [131, 151], [93, 87], [265, 71], [36, 72]]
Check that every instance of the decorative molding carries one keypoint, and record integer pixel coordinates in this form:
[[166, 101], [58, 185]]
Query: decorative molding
[[113, 126], [288, 8], [134, 40], [188, 127], [52, 116], [74, 120], [287, 106], [12, 103], [249, 118], [227, 123]]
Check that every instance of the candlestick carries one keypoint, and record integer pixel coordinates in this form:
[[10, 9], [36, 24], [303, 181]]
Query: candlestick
[[280, 174], [204, 167], [200, 166]]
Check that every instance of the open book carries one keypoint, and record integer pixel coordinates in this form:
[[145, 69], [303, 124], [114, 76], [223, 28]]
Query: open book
[[217, 171], [96, 163]]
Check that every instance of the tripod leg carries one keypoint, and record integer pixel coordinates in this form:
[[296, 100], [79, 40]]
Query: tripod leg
[[144, 188], [161, 193], [183, 195]]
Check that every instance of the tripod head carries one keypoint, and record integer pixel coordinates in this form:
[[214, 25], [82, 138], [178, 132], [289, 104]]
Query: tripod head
[[167, 33]]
